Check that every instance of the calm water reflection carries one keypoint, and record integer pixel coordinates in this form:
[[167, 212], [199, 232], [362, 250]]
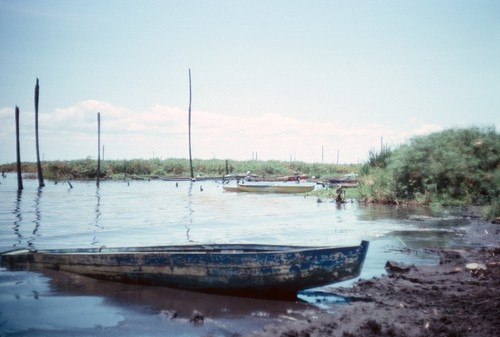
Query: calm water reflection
[[141, 213], [137, 213]]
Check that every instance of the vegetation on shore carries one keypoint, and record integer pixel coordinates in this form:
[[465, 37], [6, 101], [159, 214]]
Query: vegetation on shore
[[454, 167], [457, 167], [121, 169]]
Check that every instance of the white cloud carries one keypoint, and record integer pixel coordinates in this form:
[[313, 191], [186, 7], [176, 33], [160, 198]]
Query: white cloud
[[162, 131]]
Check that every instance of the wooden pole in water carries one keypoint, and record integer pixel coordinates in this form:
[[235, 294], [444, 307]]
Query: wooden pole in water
[[18, 153], [98, 147], [189, 126], [38, 164]]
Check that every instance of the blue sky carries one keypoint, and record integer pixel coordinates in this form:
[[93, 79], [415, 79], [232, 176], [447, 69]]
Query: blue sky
[[304, 80]]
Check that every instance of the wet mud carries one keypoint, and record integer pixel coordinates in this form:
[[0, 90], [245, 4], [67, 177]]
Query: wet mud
[[459, 297]]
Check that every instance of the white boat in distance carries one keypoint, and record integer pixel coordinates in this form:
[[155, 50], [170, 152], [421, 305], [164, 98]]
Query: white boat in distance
[[271, 187]]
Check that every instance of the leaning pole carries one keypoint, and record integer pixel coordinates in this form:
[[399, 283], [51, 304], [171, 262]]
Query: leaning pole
[[189, 126], [18, 154], [38, 164]]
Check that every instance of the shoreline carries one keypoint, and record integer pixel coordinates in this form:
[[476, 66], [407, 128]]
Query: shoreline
[[458, 297]]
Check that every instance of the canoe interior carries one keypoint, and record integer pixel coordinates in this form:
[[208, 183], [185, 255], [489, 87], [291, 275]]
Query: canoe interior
[[206, 249]]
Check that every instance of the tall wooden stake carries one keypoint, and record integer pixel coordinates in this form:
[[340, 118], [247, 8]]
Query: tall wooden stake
[[98, 147], [38, 164], [189, 125], [18, 153]]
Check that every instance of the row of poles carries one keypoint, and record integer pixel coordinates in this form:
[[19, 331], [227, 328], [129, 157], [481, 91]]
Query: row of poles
[[18, 145], [39, 165], [41, 182]]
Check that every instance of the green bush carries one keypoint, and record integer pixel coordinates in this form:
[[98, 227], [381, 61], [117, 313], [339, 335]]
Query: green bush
[[455, 166], [377, 159]]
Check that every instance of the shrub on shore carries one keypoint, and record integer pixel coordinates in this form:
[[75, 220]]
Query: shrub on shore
[[451, 167]]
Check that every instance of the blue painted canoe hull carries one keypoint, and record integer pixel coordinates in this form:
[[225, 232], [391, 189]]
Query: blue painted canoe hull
[[268, 271]]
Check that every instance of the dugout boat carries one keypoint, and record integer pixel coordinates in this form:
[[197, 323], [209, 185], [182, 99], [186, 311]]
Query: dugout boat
[[250, 270]]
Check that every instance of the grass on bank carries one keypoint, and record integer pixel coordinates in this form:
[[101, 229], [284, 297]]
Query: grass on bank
[[120, 169]]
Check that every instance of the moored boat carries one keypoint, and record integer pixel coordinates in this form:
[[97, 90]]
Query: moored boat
[[345, 181], [267, 271], [230, 188], [271, 187]]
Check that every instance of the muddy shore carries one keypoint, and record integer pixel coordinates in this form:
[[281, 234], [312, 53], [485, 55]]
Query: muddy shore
[[459, 297]]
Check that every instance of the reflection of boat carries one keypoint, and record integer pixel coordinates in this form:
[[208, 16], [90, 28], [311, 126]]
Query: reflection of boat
[[268, 271], [182, 302], [271, 187]]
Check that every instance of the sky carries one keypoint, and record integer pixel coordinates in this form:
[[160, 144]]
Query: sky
[[320, 81]]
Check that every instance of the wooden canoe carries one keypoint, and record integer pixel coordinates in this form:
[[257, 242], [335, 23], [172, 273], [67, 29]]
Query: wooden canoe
[[271, 187], [252, 270]]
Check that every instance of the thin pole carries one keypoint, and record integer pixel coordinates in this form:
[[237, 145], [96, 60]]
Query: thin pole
[[189, 125], [98, 147], [38, 164], [18, 153]]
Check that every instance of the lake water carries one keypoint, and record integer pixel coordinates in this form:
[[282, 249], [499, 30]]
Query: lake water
[[143, 213]]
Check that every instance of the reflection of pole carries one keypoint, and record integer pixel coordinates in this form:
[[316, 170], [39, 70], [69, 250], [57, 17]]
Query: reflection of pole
[[189, 126], [97, 215], [38, 164], [98, 147], [38, 218], [19, 218], [18, 153], [190, 211]]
